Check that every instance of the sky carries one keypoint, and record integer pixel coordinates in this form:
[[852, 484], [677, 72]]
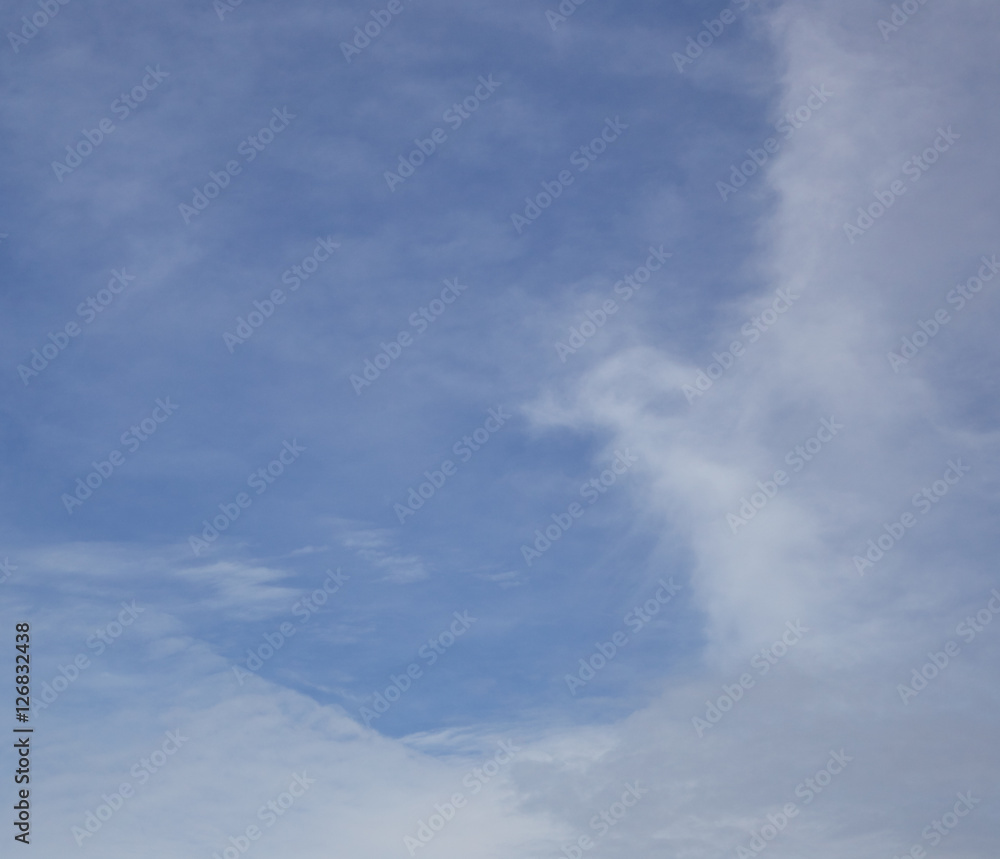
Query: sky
[[522, 429]]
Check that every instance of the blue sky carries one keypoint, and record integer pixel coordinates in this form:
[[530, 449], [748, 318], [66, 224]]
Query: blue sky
[[698, 380]]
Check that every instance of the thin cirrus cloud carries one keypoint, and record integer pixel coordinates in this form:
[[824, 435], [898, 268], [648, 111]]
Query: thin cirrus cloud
[[781, 697]]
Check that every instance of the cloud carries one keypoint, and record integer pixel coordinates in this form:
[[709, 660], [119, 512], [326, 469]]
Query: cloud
[[370, 544], [769, 704]]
